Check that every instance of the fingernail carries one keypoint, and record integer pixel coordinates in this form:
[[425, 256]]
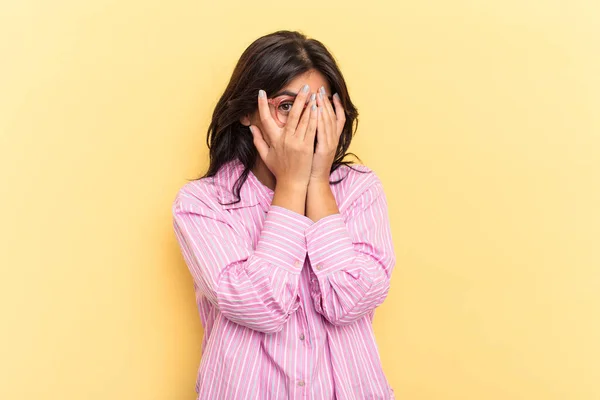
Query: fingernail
[[337, 96], [314, 107], [313, 96], [305, 88], [262, 93], [322, 90], [250, 127]]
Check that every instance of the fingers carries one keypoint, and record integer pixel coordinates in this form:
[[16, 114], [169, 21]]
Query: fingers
[[301, 128], [311, 129], [339, 113], [321, 132], [259, 142], [265, 115], [327, 103], [337, 117], [324, 119], [297, 107]]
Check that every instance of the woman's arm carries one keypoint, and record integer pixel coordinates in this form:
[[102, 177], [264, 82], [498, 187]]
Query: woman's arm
[[352, 260], [255, 288]]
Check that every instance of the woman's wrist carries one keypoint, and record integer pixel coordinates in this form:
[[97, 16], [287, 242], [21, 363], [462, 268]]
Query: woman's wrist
[[290, 195], [316, 183]]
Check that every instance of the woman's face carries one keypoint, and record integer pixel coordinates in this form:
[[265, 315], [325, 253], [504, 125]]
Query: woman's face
[[314, 79]]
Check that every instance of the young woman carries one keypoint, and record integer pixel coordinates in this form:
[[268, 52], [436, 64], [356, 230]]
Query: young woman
[[289, 245]]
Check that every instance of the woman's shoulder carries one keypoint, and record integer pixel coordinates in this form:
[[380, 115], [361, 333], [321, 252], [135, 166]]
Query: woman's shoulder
[[213, 191], [356, 180], [355, 175], [202, 193], [199, 188]]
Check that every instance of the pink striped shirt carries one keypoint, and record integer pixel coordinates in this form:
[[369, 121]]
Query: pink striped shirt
[[287, 303]]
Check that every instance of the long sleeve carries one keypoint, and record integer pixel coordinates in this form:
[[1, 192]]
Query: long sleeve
[[257, 288], [352, 260]]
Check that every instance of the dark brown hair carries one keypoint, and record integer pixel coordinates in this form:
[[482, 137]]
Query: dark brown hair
[[270, 63]]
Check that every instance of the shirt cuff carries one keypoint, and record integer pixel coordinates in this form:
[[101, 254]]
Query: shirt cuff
[[282, 241], [329, 244]]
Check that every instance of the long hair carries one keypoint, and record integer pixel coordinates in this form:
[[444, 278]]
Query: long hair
[[270, 63]]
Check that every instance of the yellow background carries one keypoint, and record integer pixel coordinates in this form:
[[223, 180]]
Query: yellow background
[[481, 118]]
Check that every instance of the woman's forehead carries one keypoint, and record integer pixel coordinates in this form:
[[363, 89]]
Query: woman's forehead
[[283, 94], [314, 79]]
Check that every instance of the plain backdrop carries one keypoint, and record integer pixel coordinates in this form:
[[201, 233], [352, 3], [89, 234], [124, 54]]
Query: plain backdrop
[[480, 117]]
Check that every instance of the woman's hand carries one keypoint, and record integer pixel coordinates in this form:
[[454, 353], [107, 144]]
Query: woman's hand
[[330, 125], [289, 153]]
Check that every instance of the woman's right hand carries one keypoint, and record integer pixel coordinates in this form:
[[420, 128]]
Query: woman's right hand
[[289, 156]]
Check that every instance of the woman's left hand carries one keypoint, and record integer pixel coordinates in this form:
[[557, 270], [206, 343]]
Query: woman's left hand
[[330, 124]]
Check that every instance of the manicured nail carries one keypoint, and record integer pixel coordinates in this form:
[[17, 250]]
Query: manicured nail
[[250, 127], [313, 96], [262, 93], [314, 107], [305, 88], [320, 110], [322, 90], [337, 96]]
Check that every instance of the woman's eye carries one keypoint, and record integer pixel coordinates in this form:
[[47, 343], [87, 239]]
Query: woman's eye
[[285, 107]]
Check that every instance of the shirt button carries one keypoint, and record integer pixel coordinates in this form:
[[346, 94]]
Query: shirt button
[[320, 267], [301, 383], [302, 336], [297, 263]]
